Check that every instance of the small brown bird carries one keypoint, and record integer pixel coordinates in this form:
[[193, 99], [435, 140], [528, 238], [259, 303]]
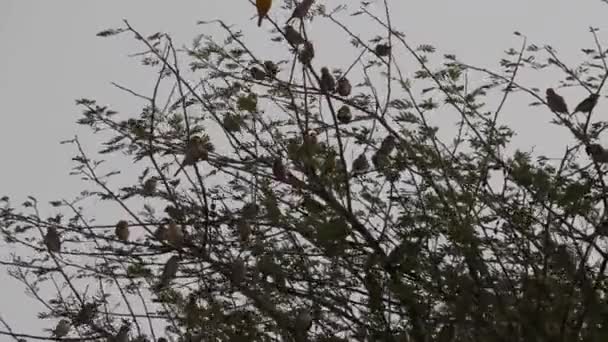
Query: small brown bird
[[293, 37], [62, 328], [122, 230], [597, 153], [301, 10], [587, 105], [263, 6], [382, 50], [195, 151], [360, 164], [52, 240], [555, 102], [344, 114], [388, 144], [328, 83], [175, 235], [257, 74], [307, 53], [169, 271], [278, 170], [161, 233], [271, 68], [344, 87], [149, 187]]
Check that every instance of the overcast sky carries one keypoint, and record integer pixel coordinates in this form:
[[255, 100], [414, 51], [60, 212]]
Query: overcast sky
[[50, 57]]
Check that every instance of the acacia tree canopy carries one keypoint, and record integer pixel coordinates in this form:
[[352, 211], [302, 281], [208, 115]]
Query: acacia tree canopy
[[281, 199]]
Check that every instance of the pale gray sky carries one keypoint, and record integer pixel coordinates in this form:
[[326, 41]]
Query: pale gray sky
[[50, 56]]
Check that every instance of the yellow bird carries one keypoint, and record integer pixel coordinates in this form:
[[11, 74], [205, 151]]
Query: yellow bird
[[263, 7]]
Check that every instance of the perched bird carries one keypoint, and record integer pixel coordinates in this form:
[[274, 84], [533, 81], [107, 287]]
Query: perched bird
[[360, 164], [175, 235], [149, 187], [52, 240], [271, 69], [257, 74], [344, 114], [293, 37], [597, 153], [195, 151], [123, 333], [301, 10], [328, 83], [263, 7], [86, 314], [587, 105], [244, 230], [388, 144], [307, 53], [278, 170], [169, 271], [161, 233], [382, 50], [62, 328], [122, 230], [555, 102], [344, 87]]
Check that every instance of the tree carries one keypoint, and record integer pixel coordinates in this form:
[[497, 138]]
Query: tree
[[308, 210]]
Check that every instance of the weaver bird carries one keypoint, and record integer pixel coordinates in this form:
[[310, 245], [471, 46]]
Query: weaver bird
[[62, 328], [301, 10], [122, 230], [597, 153], [263, 7], [328, 83], [52, 240], [175, 235], [587, 105], [169, 271], [293, 37], [344, 87], [555, 102], [382, 50], [195, 151]]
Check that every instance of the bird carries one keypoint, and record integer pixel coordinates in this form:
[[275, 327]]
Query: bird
[[257, 74], [169, 271], [301, 10], [587, 105], [344, 114], [195, 151], [123, 334], [263, 7], [307, 53], [149, 187], [160, 233], [62, 328], [360, 164], [344, 88], [293, 37], [597, 153], [555, 102], [388, 144], [382, 50], [52, 240], [175, 235], [271, 68], [278, 170], [328, 83], [122, 230]]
